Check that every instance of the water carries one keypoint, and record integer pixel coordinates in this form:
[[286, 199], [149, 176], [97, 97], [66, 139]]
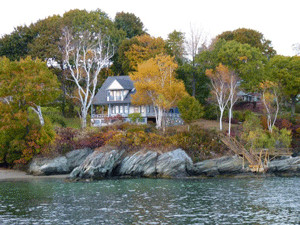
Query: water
[[151, 201]]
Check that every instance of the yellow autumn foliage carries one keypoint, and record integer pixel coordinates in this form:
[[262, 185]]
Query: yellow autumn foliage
[[156, 84]]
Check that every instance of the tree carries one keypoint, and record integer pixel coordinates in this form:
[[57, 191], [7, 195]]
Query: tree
[[175, 46], [141, 49], [86, 53], [15, 45], [251, 37], [156, 85], [190, 109], [246, 61], [285, 71], [29, 83], [196, 39], [271, 102], [186, 72], [131, 24], [220, 81], [24, 85]]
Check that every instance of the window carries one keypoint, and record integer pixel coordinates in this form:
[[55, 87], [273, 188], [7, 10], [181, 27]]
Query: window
[[121, 109], [126, 109], [117, 109]]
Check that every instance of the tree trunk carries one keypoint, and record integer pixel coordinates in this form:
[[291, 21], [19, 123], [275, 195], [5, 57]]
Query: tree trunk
[[230, 116], [83, 118], [221, 117], [293, 105], [38, 111], [159, 117]]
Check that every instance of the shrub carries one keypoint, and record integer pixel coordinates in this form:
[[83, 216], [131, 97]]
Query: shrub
[[135, 117], [200, 144]]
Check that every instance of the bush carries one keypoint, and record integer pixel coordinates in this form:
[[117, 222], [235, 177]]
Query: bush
[[200, 144], [137, 140], [241, 115], [211, 112]]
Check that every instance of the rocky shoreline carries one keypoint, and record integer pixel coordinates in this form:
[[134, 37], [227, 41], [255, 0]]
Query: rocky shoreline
[[88, 164]]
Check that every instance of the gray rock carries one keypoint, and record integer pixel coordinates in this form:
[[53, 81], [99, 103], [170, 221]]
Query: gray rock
[[214, 167], [36, 164], [174, 164], [206, 167], [58, 165], [230, 165], [139, 164], [287, 165], [97, 165], [75, 158]]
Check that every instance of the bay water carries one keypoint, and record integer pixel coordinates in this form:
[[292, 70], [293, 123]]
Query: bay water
[[151, 201]]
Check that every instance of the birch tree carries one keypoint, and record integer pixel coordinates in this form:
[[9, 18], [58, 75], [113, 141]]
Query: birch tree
[[156, 85], [220, 87], [270, 100], [233, 84], [86, 53]]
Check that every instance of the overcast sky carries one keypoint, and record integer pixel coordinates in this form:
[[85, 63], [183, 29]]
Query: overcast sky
[[277, 20]]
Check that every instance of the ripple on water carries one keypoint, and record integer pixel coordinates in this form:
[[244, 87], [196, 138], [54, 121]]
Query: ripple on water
[[151, 201]]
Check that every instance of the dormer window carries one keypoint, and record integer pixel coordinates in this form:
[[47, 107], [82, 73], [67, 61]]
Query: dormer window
[[115, 95]]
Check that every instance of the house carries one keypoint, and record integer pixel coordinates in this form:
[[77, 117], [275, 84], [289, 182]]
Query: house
[[115, 94], [249, 97]]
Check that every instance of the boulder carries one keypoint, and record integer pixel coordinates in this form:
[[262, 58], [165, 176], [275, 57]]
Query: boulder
[[174, 164], [97, 165], [230, 165], [58, 165], [290, 165], [214, 167], [75, 158], [42, 166], [207, 167], [139, 164]]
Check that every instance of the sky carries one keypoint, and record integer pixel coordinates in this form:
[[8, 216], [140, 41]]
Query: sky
[[277, 20]]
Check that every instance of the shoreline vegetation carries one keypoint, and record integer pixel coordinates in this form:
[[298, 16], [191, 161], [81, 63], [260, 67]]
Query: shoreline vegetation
[[202, 154]]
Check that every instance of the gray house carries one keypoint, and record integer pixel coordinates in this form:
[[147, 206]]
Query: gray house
[[115, 95]]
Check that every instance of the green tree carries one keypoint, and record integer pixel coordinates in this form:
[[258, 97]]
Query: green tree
[[29, 83], [15, 45], [251, 37], [175, 46], [246, 61], [186, 72], [24, 86], [285, 71], [190, 109], [130, 23]]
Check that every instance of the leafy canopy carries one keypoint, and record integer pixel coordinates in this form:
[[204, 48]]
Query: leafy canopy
[[251, 37], [156, 84]]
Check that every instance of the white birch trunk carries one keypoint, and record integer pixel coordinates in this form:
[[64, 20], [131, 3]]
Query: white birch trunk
[[159, 117], [38, 111], [221, 117], [229, 122]]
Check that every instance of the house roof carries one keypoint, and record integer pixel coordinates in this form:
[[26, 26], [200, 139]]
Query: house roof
[[101, 96]]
